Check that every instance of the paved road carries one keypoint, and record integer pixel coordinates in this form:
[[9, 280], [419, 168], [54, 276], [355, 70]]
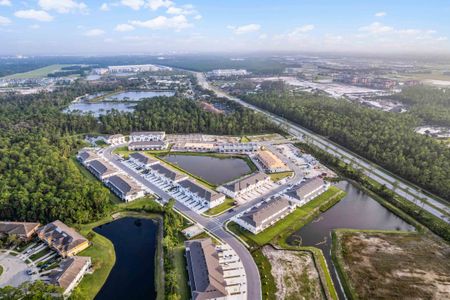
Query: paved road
[[373, 171], [214, 225]]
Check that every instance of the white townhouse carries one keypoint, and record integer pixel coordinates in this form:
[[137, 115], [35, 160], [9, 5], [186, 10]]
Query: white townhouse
[[310, 189], [115, 139], [142, 160], [203, 195], [147, 145], [238, 147], [69, 273], [146, 136], [165, 174], [85, 156], [125, 188], [101, 169], [244, 185]]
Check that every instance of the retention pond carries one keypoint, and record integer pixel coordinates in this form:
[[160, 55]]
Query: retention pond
[[356, 211], [133, 275]]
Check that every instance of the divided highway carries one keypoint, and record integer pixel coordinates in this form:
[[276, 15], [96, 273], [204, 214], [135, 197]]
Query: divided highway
[[401, 187]]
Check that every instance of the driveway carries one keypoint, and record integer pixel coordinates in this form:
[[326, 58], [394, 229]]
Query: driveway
[[14, 271]]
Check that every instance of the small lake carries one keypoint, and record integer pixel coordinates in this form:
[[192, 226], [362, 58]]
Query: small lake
[[214, 170], [133, 274], [138, 95], [99, 108], [356, 211]]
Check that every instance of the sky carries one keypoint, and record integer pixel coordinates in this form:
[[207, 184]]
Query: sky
[[74, 27]]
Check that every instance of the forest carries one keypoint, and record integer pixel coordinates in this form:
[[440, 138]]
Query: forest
[[39, 179], [385, 138]]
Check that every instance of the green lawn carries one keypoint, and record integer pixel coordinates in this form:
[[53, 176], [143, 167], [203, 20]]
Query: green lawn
[[268, 285], [280, 175], [182, 275], [227, 204], [244, 139], [41, 72], [1, 270]]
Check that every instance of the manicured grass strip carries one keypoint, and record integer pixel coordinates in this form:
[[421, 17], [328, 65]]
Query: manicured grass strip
[[36, 73], [268, 285], [1, 270], [280, 175], [181, 271], [227, 204], [40, 254]]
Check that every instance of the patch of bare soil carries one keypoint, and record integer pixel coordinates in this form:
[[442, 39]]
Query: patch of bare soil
[[396, 266], [295, 274]]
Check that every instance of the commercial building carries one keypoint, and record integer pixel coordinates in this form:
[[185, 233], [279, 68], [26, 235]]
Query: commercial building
[[23, 230], [101, 169], [244, 185], [145, 136], [136, 68], [263, 216], [147, 145], [238, 147], [310, 189], [205, 196], [165, 174], [85, 156], [206, 146], [142, 160], [270, 161], [125, 188], [63, 239], [69, 273], [228, 72]]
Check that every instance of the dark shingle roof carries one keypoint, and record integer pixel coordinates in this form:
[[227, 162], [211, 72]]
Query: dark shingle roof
[[166, 172], [124, 184], [102, 167], [202, 192], [267, 211], [245, 182], [142, 158], [309, 186], [17, 228]]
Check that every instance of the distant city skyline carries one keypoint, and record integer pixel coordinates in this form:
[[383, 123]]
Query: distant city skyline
[[74, 27]]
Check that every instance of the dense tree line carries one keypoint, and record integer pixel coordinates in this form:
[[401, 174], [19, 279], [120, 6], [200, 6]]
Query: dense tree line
[[385, 138]]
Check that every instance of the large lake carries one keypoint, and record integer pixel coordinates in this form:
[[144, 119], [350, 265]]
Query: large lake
[[214, 170], [138, 95], [135, 242], [356, 211]]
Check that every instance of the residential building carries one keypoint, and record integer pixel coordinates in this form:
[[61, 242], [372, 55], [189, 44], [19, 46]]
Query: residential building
[[205, 196], [166, 174], [263, 216], [85, 156], [101, 169], [310, 189], [228, 72], [245, 185], [23, 230], [206, 276], [196, 146], [145, 136], [147, 145], [238, 147], [136, 68], [142, 160], [63, 239], [69, 273], [270, 161], [115, 139], [125, 188]]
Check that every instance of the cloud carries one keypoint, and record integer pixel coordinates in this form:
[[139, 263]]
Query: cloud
[[163, 22], [442, 38], [32, 14], [4, 21], [133, 4], [35, 26], [301, 30], [245, 28], [104, 7], [124, 27], [94, 32], [187, 9], [376, 28], [198, 17], [63, 6], [156, 4], [5, 3], [380, 14]]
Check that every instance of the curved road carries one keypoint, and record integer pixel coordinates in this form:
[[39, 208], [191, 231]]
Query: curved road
[[400, 186], [214, 225]]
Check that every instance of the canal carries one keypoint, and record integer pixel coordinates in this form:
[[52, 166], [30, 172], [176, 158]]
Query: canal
[[212, 169], [356, 211], [135, 242]]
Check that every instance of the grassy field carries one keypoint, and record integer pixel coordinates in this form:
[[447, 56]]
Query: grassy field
[[41, 72], [1, 270], [226, 205], [182, 276], [280, 175], [244, 139], [267, 281], [392, 265], [292, 222]]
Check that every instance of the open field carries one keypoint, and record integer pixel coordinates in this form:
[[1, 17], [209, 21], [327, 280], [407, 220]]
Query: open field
[[226, 205], [280, 175], [392, 265], [41, 72], [181, 271], [294, 273]]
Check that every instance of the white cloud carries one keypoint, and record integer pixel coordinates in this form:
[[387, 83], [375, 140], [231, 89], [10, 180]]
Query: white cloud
[[63, 6], [124, 27], [5, 3], [104, 7], [380, 14], [163, 22], [156, 4], [376, 28], [133, 4], [198, 17], [187, 9], [442, 38], [301, 30], [245, 28], [35, 26], [94, 32], [4, 21], [32, 14]]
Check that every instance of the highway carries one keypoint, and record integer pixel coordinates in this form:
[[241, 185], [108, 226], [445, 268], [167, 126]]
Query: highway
[[401, 187]]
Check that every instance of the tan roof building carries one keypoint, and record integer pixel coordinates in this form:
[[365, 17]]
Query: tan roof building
[[23, 230], [270, 161], [206, 275], [65, 240], [70, 273]]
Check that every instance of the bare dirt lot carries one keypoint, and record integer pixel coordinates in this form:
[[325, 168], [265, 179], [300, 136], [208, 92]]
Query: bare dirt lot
[[295, 274], [395, 266]]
